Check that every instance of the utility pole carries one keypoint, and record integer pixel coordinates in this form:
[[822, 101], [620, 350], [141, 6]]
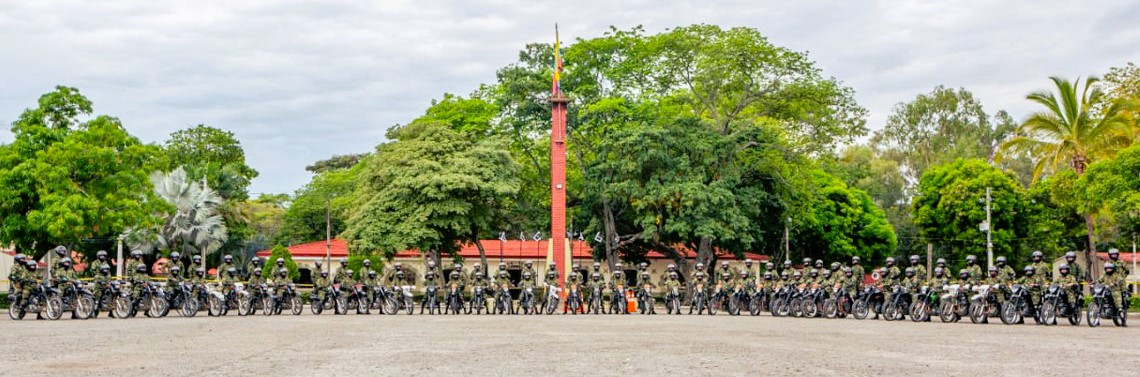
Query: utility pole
[[119, 257], [787, 242], [328, 234], [989, 232]]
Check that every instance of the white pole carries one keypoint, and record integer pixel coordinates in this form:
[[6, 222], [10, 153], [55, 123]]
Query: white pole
[[989, 232], [119, 258]]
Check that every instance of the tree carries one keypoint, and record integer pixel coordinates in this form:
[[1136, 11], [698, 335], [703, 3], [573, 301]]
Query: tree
[[844, 222], [950, 206], [1068, 134], [938, 128], [331, 191], [430, 189], [1122, 87], [1113, 186], [72, 182], [281, 252], [191, 225], [337, 162]]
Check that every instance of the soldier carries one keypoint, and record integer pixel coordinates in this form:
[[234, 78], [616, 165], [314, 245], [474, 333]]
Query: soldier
[[134, 261], [919, 269], [64, 278], [256, 277], [371, 281], [366, 267], [670, 269], [797, 280], [911, 281], [1007, 272], [99, 283], [813, 278], [1032, 282], [745, 282], [503, 278], [280, 262], [478, 267], [528, 266], [229, 282], [280, 283], [786, 267], [1121, 268], [321, 286], [138, 279], [642, 269], [196, 263], [700, 277], [974, 269], [429, 282], [827, 282], [647, 286], [1042, 269], [804, 267], [941, 263], [598, 283], [227, 264], [819, 265], [173, 280], [390, 277], [754, 271], [1068, 283], [893, 271], [343, 276], [1074, 267], [885, 279], [1114, 281], [18, 278], [939, 280], [316, 265], [857, 272], [724, 276], [254, 263], [673, 284], [100, 261], [199, 280], [480, 281], [457, 275], [619, 270], [849, 284], [551, 281], [770, 267]]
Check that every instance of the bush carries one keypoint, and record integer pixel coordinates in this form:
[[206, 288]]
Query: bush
[[356, 263], [4, 300], [281, 252]]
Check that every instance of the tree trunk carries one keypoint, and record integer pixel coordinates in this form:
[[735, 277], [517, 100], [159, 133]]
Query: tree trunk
[[482, 253], [705, 254], [611, 234]]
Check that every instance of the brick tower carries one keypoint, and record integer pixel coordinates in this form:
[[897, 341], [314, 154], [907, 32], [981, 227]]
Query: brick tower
[[558, 167]]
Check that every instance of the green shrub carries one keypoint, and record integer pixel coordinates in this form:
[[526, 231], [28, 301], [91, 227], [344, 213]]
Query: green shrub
[[281, 252]]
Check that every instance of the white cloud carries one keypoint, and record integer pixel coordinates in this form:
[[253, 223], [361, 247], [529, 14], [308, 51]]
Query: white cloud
[[299, 81]]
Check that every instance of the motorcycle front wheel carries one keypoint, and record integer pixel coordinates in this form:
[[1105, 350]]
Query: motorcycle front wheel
[[1093, 314], [1121, 318], [947, 313], [860, 309], [189, 307], [296, 306], [1048, 314], [1075, 315], [978, 314], [1009, 313], [122, 307], [409, 306], [214, 306], [810, 309], [53, 309], [85, 307], [245, 305], [830, 310], [158, 307]]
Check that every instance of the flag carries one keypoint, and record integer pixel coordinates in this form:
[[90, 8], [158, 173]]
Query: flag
[[503, 236], [557, 62]]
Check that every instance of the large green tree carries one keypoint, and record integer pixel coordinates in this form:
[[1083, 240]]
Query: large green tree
[[431, 189], [322, 203], [72, 182], [843, 222], [1113, 187], [1068, 133]]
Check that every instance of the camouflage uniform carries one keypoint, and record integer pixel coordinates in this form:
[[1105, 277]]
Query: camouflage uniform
[[1033, 284], [321, 286], [1069, 284], [725, 277], [857, 274], [138, 279], [976, 274], [1116, 283]]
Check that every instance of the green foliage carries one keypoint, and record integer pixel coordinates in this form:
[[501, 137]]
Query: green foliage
[[467, 115], [63, 181], [356, 264], [280, 252], [330, 190], [1113, 187], [337, 162], [950, 206], [844, 222], [432, 188]]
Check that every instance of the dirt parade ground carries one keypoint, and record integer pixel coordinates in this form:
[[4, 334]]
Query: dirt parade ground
[[631, 345]]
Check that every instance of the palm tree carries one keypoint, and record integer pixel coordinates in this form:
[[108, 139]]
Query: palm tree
[[1068, 133], [196, 225]]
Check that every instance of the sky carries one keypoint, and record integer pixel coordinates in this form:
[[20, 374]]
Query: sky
[[300, 81]]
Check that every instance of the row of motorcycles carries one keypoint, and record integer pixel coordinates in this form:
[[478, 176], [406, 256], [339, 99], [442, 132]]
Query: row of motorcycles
[[152, 300], [400, 300]]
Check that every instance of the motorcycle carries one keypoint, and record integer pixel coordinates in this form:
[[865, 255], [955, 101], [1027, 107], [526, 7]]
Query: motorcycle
[[595, 305], [796, 304], [837, 306], [250, 300], [955, 303], [503, 303], [718, 299], [1055, 304], [431, 300], [454, 299], [381, 300], [870, 299], [478, 301], [182, 297], [288, 299], [357, 299], [1103, 306], [317, 305], [758, 302], [617, 301], [77, 299], [813, 302], [573, 300], [673, 301], [402, 297], [783, 300], [895, 309], [1019, 305], [645, 301], [107, 293], [42, 301], [739, 298], [925, 302], [552, 299], [151, 300]]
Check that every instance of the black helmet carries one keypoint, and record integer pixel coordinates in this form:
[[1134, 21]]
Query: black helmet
[[767, 275], [19, 258], [105, 269], [140, 268], [909, 271], [228, 258], [31, 265], [134, 253], [66, 262], [890, 261], [1000, 261], [173, 270], [747, 262], [617, 273], [281, 262], [102, 254]]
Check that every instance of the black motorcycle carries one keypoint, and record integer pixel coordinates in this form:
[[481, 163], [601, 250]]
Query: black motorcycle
[[287, 300], [617, 301], [896, 308], [1102, 306], [478, 301], [454, 300], [503, 303], [1055, 304], [318, 305], [42, 301], [402, 296], [151, 300], [595, 305], [431, 300], [182, 298], [1018, 306], [837, 305], [573, 299], [870, 300], [673, 300], [356, 299], [813, 303], [645, 301], [738, 299], [782, 301], [76, 299], [107, 292]]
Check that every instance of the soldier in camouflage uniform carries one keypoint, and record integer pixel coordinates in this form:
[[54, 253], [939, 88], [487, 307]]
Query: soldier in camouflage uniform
[[138, 279], [1115, 283], [253, 264], [849, 283], [229, 282], [390, 278], [227, 264], [1041, 268], [528, 266], [457, 275], [365, 268], [974, 270], [1121, 268], [1007, 272], [195, 264], [597, 281], [134, 261], [771, 267], [99, 283], [700, 277], [173, 280], [1074, 268], [1033, 283], [551, 281], [321, 286], [101, 260], [63, 275], [766, 284], [256, 277], [912, 282], [804, 267], [642, 269], [280, 283], [19, 281], [919, 269], [371, 283], [343, 276], [885, 280], [857, 272], [430, 281], [1068, 283], [725, 277], [893, 271], [941, 263], [670, 284]]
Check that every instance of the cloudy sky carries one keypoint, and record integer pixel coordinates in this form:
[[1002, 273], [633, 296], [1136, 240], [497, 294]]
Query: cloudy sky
[[299, 81]]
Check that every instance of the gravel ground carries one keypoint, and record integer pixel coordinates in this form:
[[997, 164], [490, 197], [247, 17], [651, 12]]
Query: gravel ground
[[310, 345]]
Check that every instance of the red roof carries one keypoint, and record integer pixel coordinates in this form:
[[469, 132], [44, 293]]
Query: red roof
[[1124, 256], [511, 249]]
